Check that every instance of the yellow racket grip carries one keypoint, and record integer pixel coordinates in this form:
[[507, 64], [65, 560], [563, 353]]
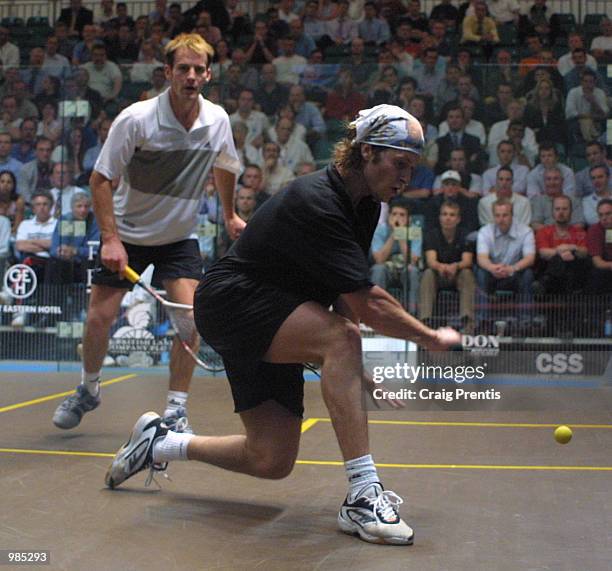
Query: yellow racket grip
[[131, 275]]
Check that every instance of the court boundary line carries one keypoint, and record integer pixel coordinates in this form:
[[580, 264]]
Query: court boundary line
[[340, 463], [63, 394], [478, 424]]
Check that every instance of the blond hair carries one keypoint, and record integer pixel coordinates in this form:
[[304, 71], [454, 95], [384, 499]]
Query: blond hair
[[347, 155], [193, 42]]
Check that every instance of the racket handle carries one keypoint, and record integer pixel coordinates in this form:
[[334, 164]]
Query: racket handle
[[131, 275]]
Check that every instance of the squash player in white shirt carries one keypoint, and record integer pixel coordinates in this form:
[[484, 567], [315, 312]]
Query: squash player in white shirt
[[161, 151]]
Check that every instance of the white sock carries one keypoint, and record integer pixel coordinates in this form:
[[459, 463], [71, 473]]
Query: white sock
[[172, 447], [91, 381], [360, 472], [175, 400]]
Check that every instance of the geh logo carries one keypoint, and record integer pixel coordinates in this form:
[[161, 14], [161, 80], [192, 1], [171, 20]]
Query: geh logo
[[20, 281]]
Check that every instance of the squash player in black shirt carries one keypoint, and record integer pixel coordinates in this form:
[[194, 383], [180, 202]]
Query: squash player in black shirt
[[264, 307]]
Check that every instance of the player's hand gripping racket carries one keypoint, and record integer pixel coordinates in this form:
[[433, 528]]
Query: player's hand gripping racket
[[181, 317]]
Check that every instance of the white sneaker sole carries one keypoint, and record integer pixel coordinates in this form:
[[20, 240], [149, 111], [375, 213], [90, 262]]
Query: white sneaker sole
[[116, 473], [351, 528]]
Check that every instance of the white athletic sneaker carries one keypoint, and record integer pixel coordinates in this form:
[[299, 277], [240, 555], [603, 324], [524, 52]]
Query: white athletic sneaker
[[137, 453], [372, 515]]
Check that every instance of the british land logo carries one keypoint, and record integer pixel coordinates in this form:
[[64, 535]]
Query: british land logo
[[20, 281]]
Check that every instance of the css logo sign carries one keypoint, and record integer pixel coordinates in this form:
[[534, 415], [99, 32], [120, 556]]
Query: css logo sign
[[559, 363], [20, 280]]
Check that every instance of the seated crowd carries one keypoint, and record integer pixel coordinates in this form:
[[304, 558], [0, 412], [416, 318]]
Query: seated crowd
[[514, 187]]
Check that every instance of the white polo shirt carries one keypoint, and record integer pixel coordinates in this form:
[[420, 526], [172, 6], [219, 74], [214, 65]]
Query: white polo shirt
[[163, 168]]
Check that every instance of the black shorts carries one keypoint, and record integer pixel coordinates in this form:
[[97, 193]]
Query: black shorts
[[177, 260], [238, 316]]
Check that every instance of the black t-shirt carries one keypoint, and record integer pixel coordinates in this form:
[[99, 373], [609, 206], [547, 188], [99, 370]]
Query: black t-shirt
[[448, 253], [309, 239]]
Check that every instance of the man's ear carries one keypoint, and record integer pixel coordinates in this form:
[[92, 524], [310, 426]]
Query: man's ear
[[366, 151]]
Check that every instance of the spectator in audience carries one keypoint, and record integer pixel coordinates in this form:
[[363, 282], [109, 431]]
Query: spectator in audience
[[304, 44], [63, 189], [289, 65], [82, 50], [480, 30], [600, 249], [542, 204], [55, 63], [549, 158], [33, 238], [5, 235], [500, 132], [247, 153], [472, 127], [428, 72], [546, 70], [445, 12], [245, 203], [278, 28], [292, 151], [449, 259], [287, 112], [72, 151], [206, 29], [521, 208], [270, 95], [418, 108], [221, 60], [451, 186], [601, 46], [103, 12], [77, 88], [534, 55], [562, 251], [124, 49], [158, 82], [566, 63], [24, 149], [314, 26], [175, 21], [263, 47], [249, 75], [104, 76], [373, 30], [600, 179], [384, 87], [406, 92], [504, 12], [142, 70], [544, 113], [307, 114], [506, 253], [10, 122], [439, 38], [26, 109], [256, 121], [595, 155], [14, 205], [573, 77], [344, 101], [417, 20], [447, 89], [9, 52], [504, 71], [362, 68], [393, 259], [8, 162], [50, 94], [497, 109], [91, 154], [525, 156], [537, 21], [342, 29], [455, 138], [66, 43], [506, 157], [587, 106], [275, 174], [76, 17], [252, 177], [471, 183], [69, 244], [36, 175], [160, 39], [33, 74], [160, 13]]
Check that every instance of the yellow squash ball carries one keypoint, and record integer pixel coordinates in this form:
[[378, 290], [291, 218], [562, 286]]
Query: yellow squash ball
[[563, 434]]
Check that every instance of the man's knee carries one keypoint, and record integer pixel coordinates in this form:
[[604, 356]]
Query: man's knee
[[274, 465], [345, 337]]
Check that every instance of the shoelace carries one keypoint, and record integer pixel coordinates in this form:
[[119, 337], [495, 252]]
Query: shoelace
[[180, 425], [387, 502]]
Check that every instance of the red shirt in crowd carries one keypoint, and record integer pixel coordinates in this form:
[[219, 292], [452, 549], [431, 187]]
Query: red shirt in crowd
[[547, 237], [599, 242]]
